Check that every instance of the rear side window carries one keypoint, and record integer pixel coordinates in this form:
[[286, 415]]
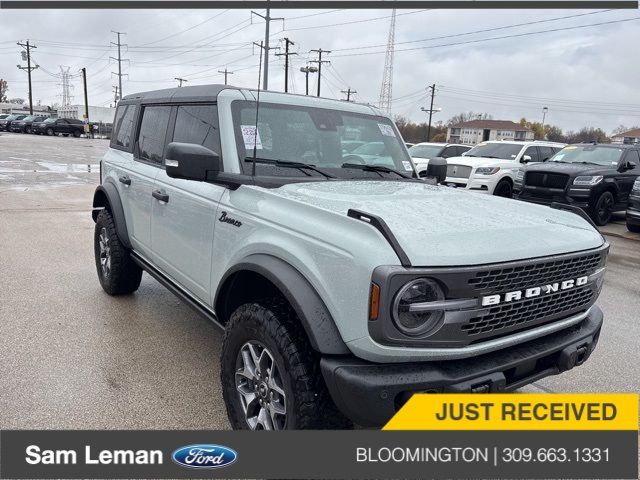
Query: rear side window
[[198, 124], [124, 126], [533, 153], [153, 130], [545, 153], [461, 150]]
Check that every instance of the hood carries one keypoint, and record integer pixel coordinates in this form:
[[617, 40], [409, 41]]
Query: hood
[[571, 169], [440, 226], [478, 161]]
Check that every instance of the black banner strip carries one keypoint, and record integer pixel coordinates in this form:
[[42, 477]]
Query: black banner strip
[[359, 454], [317, 4]]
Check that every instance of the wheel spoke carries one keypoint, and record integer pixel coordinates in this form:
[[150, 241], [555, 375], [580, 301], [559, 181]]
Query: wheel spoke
[[264, 419]]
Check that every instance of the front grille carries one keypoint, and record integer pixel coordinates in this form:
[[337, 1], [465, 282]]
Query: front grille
[[534, 274], [530, 312], [548, 180], [458, 171]]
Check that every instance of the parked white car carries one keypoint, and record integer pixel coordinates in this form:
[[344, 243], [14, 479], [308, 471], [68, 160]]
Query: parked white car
[[491, 167], [421, 153]]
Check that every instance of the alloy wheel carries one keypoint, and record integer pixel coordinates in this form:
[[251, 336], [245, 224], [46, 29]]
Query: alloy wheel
[[105, 253], [605, 208], [260, 387]]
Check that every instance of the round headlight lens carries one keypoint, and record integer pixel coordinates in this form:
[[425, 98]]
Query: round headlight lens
[[417, 322]]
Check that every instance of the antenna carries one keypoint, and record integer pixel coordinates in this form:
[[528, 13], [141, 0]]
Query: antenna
[[255, 133]]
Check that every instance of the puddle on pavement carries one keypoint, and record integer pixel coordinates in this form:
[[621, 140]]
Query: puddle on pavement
[[69, 167]]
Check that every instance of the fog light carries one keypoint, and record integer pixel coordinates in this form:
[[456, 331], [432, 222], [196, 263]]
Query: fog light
[[419, 291]]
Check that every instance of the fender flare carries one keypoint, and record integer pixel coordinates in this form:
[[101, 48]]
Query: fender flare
[[303, 298], [107, 196]]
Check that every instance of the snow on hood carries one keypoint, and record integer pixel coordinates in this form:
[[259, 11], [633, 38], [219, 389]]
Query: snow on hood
[[440, 226]]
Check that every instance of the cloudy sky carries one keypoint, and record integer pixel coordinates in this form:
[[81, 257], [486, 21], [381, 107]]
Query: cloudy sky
[[583, 65]]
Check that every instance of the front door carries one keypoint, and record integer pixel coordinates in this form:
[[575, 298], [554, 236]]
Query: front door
[[183, 223]]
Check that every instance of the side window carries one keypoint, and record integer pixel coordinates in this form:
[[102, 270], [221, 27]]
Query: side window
[[533, 153], [198, 124], [461, 150], [124, 125], [153, 130], [448, 152], [633, 156], [545, 153]]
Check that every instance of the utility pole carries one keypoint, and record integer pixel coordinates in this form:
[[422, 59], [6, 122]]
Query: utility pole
[[286, 54], [267, 19], [544, 116], [115, 98], [180, 80], [430, 110], [320, 51], [119, 60], [348, 92], [28, 68], [226, 73], [86, 96], [307, 70]]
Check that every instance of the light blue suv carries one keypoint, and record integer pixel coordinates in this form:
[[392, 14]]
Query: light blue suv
[[343, 283]]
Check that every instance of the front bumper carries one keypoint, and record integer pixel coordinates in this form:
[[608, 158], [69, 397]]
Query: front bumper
[[579, 197], [485, 184], [370, 393]]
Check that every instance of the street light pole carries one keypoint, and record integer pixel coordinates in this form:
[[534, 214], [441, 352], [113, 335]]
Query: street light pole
[[544, 116], [307, 70]]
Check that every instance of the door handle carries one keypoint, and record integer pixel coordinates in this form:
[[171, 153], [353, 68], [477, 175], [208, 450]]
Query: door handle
[[160, 195], [124, 179]]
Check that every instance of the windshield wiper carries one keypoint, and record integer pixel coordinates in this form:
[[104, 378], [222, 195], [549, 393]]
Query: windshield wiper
[[287, 164], [374, 168]]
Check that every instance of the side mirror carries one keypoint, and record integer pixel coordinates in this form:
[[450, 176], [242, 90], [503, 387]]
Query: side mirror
[[191, 162], [437, 169], [631, 165], [526, 159]]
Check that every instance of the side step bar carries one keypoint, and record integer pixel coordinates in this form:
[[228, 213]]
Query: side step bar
[[178, 291]]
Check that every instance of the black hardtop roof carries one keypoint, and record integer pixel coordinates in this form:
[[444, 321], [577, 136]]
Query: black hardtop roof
[[606, 145], [185, 94]]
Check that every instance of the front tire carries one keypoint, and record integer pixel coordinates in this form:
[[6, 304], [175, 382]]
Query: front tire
[[27, 130], [50, 132], [603, 209], [632, 227], [117, 272], [270, 375], [504, 189], [76, 134]]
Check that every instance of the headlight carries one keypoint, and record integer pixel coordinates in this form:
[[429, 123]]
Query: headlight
[[520, 175], [588, 180], [419, 291], [487, 170], [636, 188]]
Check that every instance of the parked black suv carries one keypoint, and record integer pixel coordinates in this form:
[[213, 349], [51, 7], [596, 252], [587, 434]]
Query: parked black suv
[[25, 125], [5, 123], [633, 209], [595, 177], [64, 126]]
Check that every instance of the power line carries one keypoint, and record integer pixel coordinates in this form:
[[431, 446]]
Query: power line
[[186, 30], [319, 61], [226, 73]]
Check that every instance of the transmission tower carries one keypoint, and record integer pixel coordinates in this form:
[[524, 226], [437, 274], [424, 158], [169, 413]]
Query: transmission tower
[[386, 90], [66, 85]]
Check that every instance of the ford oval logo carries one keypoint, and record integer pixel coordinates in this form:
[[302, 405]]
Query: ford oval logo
[[204, 456]]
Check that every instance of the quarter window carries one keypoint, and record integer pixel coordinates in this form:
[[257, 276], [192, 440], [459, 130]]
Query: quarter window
[[198, 124], [153, 129], [124, 125]]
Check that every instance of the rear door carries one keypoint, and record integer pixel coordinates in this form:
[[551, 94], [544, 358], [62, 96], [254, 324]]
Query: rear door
[[182, 226], [626, 178]]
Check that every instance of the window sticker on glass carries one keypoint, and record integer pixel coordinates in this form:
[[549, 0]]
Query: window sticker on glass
[[386, 130], [407, 165], [249, 136]]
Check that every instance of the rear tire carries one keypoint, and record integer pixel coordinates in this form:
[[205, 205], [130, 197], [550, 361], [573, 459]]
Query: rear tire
[[270, 375], [50, 132], [117, 272], [504, 189], [76, 134], [603, 209], [27, 130]]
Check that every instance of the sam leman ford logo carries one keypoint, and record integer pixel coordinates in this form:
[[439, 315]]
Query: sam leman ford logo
[[204, 456]]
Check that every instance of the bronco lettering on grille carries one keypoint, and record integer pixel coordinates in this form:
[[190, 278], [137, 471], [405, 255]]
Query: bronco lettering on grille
[[490, 300]]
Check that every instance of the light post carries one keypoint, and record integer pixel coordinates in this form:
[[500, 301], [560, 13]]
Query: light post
[[307, 70], [544, 115]]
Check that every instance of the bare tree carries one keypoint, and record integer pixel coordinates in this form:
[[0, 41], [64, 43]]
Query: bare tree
[[3, 90]]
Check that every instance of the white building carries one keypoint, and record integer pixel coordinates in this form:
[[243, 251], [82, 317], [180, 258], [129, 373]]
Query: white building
[[96, 114], [632, 136], [19, 109], [476, 131]]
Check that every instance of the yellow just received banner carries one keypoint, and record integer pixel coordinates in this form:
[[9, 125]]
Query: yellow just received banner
[[546, 411]]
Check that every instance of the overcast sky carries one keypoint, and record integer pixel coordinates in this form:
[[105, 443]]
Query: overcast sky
[[585, 76]]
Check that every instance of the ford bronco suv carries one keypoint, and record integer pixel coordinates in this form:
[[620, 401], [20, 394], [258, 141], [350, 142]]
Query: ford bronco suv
[[343, 283]]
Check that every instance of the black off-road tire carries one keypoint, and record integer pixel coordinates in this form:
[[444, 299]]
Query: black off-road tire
[[275, 325], [602, 210], [124, 275]]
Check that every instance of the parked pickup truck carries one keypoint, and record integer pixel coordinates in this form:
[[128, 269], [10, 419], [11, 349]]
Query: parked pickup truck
[[343, 283]]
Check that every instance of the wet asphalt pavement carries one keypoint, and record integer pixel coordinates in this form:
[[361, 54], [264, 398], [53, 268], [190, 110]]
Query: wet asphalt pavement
[[73, 357]]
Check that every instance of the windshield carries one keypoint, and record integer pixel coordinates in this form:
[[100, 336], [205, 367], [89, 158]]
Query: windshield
[[505, 151], [605, 156], [50, 120], [28, 118], [317, 136], [425, 151]]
